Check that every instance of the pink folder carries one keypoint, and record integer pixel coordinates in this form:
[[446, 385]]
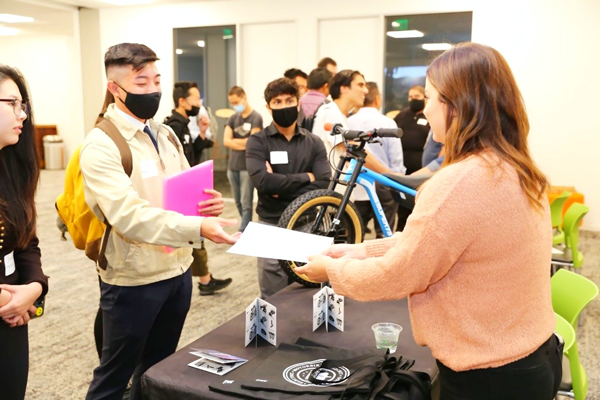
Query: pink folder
[[183, 191]]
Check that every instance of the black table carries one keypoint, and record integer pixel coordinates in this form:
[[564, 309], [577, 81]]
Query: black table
[[172, 378]]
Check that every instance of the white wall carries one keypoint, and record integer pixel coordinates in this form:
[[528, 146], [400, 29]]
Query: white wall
[[551, 46], [52, 68]]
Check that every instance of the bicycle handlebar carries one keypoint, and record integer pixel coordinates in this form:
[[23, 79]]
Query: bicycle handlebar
[[365, 136]]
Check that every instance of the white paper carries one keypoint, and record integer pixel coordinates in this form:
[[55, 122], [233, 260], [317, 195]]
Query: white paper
[[261, 319], [266, 241], [149, 169], [328, 307], [9, 263], [213, 367], [217, 356], [279, 157]]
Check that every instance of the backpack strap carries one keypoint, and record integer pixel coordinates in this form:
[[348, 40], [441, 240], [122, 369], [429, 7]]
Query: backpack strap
[[127, 160]]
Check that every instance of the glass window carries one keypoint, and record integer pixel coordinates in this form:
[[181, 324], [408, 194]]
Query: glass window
[[412, 42]]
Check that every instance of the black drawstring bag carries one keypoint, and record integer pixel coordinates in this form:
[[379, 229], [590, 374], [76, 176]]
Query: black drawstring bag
[[308, 370]]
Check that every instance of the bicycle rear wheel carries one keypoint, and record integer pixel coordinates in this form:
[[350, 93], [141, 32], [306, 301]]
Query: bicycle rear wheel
[[302, 214]]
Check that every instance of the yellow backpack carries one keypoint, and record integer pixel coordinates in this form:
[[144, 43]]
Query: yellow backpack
[[85, 229]]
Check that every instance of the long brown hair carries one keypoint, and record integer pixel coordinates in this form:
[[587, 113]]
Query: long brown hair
[[485, 111], [19, 171]]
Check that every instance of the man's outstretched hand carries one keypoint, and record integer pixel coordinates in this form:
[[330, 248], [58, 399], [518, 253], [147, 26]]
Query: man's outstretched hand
[[212, 229]]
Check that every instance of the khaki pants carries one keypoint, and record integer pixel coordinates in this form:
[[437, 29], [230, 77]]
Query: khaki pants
[[200, 262]]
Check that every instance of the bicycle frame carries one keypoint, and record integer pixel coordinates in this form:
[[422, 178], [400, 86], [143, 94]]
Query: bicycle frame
[[366, 178]]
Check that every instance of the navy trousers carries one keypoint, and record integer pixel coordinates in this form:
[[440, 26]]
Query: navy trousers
[[141, 326]]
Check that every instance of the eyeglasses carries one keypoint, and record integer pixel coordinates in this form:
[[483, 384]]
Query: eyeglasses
[[17, 105]]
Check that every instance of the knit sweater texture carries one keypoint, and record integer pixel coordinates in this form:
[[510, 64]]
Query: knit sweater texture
[[474, 262]]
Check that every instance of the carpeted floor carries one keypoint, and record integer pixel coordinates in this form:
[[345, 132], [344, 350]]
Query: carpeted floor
[[62, 349]]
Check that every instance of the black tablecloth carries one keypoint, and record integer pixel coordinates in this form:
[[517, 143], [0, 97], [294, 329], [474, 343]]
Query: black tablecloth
[[172, 378]]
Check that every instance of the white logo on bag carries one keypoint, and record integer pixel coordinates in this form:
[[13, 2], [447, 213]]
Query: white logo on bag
[[299, 374], [227, 382]]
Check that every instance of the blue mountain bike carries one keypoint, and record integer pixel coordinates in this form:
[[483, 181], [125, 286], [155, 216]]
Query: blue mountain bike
[[328, 213]]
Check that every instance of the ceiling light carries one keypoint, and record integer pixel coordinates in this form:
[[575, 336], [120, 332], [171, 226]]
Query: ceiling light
[[405, 34], [127, 2], [227, 37], [396, 24], [178, 51], [436, 46], [8, 31], [201, 43], [11, 18]]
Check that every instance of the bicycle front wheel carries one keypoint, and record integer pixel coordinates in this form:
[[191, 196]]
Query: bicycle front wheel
[[314, 212]]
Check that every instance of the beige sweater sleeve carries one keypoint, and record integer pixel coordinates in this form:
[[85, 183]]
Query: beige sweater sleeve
[[436, 234]]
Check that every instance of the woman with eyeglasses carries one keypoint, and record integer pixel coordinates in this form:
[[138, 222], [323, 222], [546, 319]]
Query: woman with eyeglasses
[[22, 281]]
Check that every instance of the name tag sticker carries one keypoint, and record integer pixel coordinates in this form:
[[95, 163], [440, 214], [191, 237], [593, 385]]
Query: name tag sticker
[[422, 121], [279, 157], [9, 263], [149, 169], [247, 126]]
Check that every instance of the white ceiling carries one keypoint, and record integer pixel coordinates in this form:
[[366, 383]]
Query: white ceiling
[[55, 17]]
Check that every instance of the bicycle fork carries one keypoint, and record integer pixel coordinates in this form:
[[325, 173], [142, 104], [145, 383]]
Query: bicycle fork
[[360, 161]]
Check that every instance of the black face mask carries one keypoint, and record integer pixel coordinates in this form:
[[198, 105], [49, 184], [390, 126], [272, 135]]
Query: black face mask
[[143, 106], [193, 112], [416, 105], [285, 117]]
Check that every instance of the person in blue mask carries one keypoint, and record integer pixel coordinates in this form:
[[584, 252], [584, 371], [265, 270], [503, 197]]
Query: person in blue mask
[[240, 126]]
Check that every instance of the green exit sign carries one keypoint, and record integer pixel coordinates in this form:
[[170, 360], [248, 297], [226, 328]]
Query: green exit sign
[[400, 24]]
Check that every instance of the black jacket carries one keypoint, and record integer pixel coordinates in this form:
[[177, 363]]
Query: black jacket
[[192, 150], [28, 264]]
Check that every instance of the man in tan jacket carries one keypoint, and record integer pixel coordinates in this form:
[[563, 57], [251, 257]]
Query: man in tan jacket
[[145, 290]]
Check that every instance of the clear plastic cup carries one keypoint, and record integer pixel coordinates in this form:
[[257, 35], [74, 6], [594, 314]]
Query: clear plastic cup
[[386, 335]]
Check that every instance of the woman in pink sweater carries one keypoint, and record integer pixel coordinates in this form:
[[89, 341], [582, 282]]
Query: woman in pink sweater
[[474, 257]]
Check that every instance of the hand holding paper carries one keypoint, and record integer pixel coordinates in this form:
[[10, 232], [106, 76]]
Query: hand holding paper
[[268, 241], [316, 269]]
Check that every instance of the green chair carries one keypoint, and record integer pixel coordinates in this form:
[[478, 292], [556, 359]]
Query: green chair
[[556, 208], [578, 377], [571, 256], [571, 293]]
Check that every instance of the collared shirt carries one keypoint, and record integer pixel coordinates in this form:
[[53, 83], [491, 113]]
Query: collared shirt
[[389, 151], [136, 123], [135, 251], [290, 161], [311, 101]]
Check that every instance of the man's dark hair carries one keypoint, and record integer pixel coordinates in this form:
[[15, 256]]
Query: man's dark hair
[[342, 78], [238, 91], [318, 77], [182, 90], [292, 73], [134, 54], [325, 62], [281, 86], [373, 93]]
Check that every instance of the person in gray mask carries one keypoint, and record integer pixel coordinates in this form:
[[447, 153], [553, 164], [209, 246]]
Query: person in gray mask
[[145, 288]]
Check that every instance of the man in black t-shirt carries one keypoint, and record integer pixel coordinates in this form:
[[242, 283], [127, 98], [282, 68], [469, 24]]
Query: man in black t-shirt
[[240, 126], [187, 104], [284, 161]]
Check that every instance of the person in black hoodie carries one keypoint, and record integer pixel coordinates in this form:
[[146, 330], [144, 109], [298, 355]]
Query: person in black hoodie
[[415, 130], [187, 104], [22, 280]]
